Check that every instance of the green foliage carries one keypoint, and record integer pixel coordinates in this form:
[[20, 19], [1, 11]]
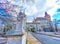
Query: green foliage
[[7, 27], [33, 29], [56, 28], [27, 29]]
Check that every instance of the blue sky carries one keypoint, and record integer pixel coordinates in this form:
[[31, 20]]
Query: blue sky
[[37, 8]]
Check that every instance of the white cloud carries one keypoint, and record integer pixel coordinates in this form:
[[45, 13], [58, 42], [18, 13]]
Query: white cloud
[[39, 7], [31, 10], [9, 0], [52, 11], [34, 9], [3, 1], [50, 3]]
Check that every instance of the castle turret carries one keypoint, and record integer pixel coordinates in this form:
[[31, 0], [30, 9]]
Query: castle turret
[[47, 16]]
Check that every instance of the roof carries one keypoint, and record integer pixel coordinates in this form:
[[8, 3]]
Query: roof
[[40, 18], [31, 23]]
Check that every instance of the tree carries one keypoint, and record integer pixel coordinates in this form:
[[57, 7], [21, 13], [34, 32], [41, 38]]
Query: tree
[[56, 27], [55, 21], [51, 28], [7, 28]]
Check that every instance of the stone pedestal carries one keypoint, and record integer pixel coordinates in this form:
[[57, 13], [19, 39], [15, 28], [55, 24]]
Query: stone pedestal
[[16, 36], [16, 39]]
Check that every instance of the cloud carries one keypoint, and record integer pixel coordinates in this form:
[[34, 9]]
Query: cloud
[[50, 3], [29, 18], [38, 7], [31, 10], [52, 10]]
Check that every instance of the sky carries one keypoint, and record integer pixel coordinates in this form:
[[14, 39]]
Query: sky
[[37, 8]]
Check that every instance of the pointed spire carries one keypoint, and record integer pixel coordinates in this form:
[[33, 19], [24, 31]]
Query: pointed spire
[[46, 13]]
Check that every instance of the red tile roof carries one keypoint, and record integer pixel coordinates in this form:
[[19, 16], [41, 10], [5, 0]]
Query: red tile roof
[[31, 23], [40, 18]]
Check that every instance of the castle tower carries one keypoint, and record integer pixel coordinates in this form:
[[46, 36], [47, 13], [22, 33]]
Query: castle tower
[[47, 16]]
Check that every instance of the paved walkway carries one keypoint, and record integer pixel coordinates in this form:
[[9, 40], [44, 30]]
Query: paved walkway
[[32, 40]]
